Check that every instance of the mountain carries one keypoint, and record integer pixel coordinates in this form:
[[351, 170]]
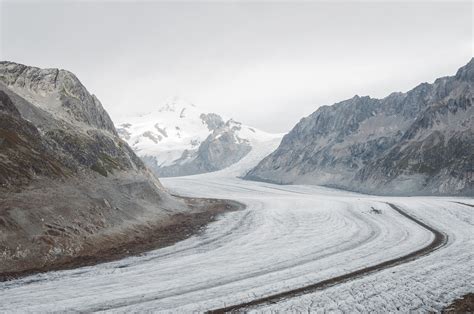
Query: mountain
[[69, 185], [419, 142], [180, 139]]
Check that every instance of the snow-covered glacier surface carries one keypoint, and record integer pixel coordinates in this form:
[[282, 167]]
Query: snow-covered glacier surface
[[289, 236]]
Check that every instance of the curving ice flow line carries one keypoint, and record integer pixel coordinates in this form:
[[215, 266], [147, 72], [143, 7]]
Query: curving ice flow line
[[440, 239], [287, 237]]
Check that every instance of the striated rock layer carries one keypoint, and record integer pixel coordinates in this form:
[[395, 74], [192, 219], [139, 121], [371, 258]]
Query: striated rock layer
[[419, 142]]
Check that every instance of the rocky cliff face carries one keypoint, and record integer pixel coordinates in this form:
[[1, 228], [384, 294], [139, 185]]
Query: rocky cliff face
[[419, 142], [58, 92], [222, 148], [67, 181], [23, 153]]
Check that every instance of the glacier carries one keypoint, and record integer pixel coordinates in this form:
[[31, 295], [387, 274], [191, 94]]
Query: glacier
[[288, 236]]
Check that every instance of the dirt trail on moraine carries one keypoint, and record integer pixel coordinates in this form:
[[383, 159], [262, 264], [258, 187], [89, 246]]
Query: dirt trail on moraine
[[440, 239], [465, 304]]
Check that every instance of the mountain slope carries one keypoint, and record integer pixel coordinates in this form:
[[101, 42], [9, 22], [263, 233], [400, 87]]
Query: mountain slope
[[70, 188], [70, 124], [419, 142], [179, 139]]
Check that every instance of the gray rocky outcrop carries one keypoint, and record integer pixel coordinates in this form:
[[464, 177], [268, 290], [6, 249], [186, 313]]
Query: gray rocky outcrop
[[419, 142], [58, 92], [222, 148]]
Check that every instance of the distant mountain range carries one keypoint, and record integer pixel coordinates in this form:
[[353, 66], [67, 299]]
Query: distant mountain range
[[418, 142], [180, 139]]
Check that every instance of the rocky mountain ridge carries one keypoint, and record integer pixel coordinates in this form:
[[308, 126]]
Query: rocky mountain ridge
[[58, 92], [419, 142], [69, 121]]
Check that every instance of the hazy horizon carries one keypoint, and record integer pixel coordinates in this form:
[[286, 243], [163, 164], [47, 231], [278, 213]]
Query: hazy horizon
[[264, 64]]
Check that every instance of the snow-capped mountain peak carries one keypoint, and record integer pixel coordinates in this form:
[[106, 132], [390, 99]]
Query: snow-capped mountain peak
[[180, 133]]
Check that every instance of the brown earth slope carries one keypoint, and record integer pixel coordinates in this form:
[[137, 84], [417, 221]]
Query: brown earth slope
[[71, 191]]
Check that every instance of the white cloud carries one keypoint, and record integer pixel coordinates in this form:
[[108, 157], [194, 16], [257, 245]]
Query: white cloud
[[267, 64]]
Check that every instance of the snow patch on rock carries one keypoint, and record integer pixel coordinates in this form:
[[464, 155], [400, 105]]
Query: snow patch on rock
[[179, 139]]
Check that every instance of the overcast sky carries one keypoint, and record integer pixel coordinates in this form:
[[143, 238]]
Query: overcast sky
[[265, 64]]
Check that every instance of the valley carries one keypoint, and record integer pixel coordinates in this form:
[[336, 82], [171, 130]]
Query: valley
[[87, 226], [288, 237], [236, 156]]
